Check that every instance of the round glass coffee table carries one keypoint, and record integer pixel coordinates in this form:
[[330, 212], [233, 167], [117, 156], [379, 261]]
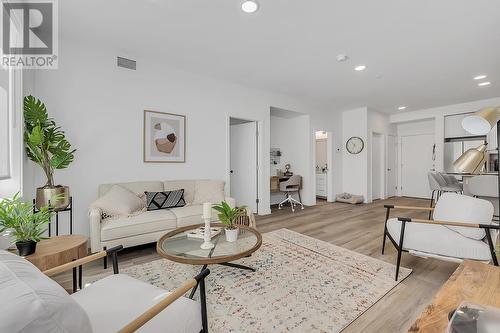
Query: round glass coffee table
[[178, 247]]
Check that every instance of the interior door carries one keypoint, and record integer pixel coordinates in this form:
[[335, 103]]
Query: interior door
[[243, 161], [390, 174], [417, 161], [377, 166]]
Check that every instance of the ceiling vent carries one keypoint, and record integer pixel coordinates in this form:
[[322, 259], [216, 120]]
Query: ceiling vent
[[126, 63]]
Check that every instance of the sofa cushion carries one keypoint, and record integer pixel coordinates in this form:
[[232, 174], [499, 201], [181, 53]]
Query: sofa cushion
[[208, 191], [136, 187], [119, 201], [143, 223], [190, 215], [437, 239], [186, 185], [462, 208], [165, 199], [32, 302], [116, 300]]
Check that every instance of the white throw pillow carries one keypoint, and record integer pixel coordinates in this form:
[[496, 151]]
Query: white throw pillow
[[119, 201], [31, 302], [208, 191], [462, 208]]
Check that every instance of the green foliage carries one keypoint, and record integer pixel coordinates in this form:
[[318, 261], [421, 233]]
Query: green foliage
[[228, 215], [19, 218], [45, 142]]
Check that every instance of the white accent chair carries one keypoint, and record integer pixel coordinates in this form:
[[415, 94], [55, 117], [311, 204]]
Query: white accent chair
[[462, 229], [31, 302], [484, 187], [290, 186]]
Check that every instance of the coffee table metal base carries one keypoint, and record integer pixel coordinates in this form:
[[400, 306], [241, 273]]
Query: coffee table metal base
[[229, 264]]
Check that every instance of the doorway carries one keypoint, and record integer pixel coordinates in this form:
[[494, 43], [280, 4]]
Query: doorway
[[417, 159], [378, 165], [243, 162], [391, 176], [323, 165]]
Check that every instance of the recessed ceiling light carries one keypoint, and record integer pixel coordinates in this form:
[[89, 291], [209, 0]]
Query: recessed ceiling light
[[480, 77], [342, 58], [360, 68], [482, 84], [249, 6], [402, 108]]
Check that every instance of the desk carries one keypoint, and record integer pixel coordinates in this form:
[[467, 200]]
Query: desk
[[275, 182], [472, 281]]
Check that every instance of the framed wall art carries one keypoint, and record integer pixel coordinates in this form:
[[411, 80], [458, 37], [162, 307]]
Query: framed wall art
[[164, 137]]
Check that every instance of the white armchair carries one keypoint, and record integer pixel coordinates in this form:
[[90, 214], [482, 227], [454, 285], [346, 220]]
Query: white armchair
[[32, 302], [462, 229]]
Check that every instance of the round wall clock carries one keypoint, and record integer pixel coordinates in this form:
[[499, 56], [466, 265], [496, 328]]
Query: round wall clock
[[355, 145]]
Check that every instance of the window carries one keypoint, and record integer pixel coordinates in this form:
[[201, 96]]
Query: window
[[11, 133]]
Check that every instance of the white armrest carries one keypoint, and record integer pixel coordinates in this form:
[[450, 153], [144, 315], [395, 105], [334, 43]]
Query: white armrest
[[95, 229], [231, 201]]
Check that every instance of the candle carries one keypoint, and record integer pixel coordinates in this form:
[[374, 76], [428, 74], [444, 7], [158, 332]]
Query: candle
[[207, 210]]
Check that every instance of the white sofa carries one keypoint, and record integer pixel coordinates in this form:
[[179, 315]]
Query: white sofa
[[149, 226], [31, 302]]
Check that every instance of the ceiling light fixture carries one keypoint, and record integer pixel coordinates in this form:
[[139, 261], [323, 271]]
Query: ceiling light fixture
[[482, 84], [480, 77], [360, 68], [402, 108], [249, 6]]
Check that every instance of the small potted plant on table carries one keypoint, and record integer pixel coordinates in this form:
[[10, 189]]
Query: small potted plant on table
[[26, 227], [228, 216]]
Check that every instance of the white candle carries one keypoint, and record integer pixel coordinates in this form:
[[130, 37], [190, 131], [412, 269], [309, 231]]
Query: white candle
[[207, 210]]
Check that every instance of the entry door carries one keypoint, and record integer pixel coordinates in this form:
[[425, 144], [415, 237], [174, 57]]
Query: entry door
[[417, 161], [243, 162], [391, 175]]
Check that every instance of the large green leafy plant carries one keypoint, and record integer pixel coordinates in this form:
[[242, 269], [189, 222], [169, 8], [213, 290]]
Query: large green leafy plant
[[24, 224], [228, 215], [45, 142]]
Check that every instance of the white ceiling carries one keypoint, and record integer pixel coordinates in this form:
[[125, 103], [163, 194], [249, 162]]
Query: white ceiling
[[419, 53]]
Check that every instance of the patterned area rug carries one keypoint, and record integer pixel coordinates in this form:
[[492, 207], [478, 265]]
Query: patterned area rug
[[301, 285]]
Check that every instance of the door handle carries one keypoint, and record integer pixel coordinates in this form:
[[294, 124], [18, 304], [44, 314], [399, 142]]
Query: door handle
[[388, 169], [231, 171]]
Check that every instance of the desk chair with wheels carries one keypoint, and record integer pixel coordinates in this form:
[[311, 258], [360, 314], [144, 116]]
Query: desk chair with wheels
[[289, 187]]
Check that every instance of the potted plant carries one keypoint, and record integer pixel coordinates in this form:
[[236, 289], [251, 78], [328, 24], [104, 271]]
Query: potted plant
[[26, 226], [228, 217], [47, 146]]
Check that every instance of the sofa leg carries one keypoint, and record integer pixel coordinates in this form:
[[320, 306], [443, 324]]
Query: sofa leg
[[105, 259]]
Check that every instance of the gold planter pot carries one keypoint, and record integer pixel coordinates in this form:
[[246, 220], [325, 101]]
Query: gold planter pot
[[57, 196]]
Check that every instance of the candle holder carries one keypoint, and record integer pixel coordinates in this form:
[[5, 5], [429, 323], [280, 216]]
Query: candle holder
[[207, 244]]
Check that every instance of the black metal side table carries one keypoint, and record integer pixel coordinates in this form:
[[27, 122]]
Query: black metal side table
[[67, 209]]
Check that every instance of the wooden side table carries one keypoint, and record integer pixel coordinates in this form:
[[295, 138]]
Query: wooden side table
[[472, 281], [59, 250]]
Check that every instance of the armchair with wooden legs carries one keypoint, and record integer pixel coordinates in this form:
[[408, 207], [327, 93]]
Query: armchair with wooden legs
[[462, 229], [116, 303]]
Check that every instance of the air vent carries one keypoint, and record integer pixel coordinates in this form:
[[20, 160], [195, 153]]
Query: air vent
[[126, 63]]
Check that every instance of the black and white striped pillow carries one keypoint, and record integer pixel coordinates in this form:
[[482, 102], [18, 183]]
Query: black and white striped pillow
[[164, 200]]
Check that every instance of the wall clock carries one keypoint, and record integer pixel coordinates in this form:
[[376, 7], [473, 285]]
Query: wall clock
[[355, 145]]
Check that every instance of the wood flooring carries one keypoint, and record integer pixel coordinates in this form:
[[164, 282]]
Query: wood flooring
[[354, 227]]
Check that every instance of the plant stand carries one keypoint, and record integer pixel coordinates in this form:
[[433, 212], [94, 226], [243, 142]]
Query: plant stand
[[67, 209]]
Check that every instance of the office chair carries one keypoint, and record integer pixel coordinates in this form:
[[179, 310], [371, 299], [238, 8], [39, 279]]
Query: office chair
[[289, 187]]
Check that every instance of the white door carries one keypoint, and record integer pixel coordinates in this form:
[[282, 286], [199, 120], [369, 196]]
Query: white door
[[377, 167], [416, 162], [243, 160], [390, 174]]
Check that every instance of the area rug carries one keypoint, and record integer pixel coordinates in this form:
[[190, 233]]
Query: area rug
[[301, 285]]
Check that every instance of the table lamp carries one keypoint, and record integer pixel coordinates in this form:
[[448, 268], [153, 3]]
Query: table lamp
[[479, 123]]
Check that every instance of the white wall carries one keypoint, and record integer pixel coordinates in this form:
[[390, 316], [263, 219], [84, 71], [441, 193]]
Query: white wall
[[438, 114], [100, 107], [355, 166], [291, 136]]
